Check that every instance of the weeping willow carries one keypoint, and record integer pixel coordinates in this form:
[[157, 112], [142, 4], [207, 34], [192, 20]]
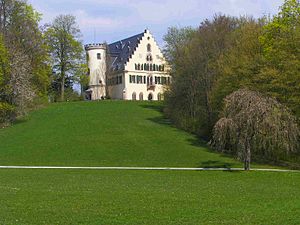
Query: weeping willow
[[253, 124]]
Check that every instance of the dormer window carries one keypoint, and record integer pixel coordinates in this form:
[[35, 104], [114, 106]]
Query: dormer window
[[149, 48], [99, 56]]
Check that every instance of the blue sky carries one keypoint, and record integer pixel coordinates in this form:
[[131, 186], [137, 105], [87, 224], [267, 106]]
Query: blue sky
[[112, 20]]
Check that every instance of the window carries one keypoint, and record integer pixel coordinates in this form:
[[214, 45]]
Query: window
[[120, 79], [149, 48], [134, 96], [133, 78], [141, 96], [159, 80], [98, 56], [130, 79], [144, 79], [139, 79]]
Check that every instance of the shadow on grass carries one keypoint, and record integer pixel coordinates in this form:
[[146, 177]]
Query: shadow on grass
[[194, 141], [156, 106]]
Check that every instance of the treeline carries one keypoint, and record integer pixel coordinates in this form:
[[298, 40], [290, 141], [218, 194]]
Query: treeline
[[228, 54], [36, 63]]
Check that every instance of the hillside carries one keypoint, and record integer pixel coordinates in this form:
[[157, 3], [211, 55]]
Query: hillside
[[111, 133]]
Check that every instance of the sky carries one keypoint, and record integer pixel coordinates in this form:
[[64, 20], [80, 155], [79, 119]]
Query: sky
[[113, 20]]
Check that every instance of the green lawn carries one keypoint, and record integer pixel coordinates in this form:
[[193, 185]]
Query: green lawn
[[112, 133], [153, 197], [130, 134]]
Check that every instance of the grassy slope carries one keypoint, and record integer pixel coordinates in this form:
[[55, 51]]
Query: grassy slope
[[103, 134], [128, 197], [129, 134]]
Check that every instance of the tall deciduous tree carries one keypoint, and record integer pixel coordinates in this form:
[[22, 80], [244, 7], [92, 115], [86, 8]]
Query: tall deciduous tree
[[281, 44], [66, 49], [29, 73]]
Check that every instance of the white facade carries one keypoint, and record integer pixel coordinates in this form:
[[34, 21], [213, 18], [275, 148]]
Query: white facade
[[137, 70], [96, 58]]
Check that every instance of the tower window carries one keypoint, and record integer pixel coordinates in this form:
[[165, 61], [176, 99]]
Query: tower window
[[149, 48], [99, 56]]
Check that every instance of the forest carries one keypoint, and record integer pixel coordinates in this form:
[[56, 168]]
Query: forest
[[236, 83]]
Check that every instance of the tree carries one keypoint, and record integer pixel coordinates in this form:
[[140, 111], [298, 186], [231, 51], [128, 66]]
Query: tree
[[65, 48], [193, 57], [280, 76], [240, 65], [27, 77], [253, 124], [82, 78]]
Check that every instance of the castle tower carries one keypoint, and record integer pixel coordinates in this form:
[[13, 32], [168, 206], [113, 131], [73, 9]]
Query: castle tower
[[96, 60]]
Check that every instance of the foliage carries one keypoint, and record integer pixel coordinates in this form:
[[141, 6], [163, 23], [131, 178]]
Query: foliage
[[27, 73], [195, 72], [256, 125], [66, 51], [281, 50], [6, 112]]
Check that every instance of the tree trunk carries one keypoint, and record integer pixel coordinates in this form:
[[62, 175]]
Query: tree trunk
[[62, 91], [247, 157]]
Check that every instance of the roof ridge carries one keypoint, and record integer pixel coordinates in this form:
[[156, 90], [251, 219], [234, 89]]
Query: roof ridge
[[125, 39]]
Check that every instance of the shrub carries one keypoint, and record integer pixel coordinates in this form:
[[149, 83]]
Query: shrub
[[7, 113]]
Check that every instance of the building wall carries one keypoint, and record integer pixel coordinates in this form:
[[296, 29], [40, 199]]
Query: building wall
[[116, 91], [140, 57]]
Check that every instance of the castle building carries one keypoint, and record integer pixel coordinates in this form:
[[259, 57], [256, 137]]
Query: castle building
[[130, 69]]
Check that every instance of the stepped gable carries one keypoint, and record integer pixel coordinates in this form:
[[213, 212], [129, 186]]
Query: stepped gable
[[121, 51]]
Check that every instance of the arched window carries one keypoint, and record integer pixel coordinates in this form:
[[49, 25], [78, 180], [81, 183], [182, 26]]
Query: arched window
[[142, 67], [151, 67], [141, 96], [145, 66], [134, 96], [139, 66], [159, 68], [150, 97], [135, 65], [149, 48], [148, 67]]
